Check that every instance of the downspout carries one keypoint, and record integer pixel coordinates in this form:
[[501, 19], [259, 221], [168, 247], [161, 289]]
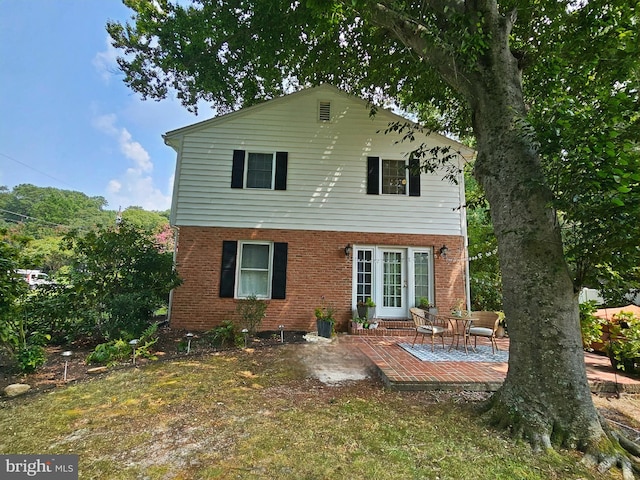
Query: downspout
[[176, 232], [177, 146]]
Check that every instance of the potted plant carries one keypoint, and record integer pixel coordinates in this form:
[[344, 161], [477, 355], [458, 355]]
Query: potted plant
[[425, 304], [366, 308], [624, 341], [325, 321], [458, 309], [357, 323]]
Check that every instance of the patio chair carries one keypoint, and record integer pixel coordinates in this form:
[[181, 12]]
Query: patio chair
[[427, 324], [484, 324]]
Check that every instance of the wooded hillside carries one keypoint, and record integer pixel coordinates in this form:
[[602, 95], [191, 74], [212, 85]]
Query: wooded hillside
[[37, 218]]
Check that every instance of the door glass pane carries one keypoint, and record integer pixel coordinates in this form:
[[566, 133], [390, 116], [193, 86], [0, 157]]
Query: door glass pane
[[421, 276], [392, 279], [364, 284]]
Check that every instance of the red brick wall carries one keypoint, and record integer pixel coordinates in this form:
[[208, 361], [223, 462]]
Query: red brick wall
[[316, 268]]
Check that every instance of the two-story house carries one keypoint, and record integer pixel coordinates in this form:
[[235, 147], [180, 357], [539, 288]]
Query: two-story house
[[305, 200]]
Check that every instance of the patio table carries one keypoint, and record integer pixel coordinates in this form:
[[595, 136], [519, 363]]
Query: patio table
[[460, 327]]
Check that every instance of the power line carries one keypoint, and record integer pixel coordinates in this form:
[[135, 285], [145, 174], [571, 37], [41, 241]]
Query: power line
[[27, 217], [39, 171]]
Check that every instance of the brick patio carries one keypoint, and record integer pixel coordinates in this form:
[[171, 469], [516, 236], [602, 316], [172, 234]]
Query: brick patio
[[399, 370]]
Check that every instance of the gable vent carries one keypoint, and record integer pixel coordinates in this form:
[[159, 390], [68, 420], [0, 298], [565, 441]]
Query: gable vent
[[324, 111]]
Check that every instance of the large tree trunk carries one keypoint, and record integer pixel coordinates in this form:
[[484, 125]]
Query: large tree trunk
[[546, 394]]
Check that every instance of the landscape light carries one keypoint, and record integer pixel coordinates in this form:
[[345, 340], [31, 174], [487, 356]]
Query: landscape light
[[133, 344], [189, 337], [67, 354]]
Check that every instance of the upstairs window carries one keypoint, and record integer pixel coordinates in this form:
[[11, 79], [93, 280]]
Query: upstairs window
[[394, 177], [259, 170]]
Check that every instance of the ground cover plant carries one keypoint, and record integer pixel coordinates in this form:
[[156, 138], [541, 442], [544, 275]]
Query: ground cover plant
[[257, 414]]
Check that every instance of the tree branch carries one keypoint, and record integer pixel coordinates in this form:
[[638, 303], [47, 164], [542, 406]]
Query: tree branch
[[425, 40]]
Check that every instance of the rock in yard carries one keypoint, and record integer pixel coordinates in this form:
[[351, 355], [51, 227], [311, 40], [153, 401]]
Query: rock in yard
[[97, 370], [16, 389]]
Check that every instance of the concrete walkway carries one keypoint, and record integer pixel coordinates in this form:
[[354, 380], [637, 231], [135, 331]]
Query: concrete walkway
[[352, 357]]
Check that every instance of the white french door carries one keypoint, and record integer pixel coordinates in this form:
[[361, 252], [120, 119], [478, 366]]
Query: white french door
[[394, 278], [392, 282]]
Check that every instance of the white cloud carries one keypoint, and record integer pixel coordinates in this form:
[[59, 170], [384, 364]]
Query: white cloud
[[135, 186], [114, 186], [134, 151], [105, 62]]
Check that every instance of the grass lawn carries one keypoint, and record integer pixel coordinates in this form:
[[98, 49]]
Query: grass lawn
[[255, 415]]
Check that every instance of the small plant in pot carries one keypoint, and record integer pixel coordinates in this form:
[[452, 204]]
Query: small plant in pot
[[458, 309], [366, 308], [325, 321], [425, 304], [357, 323], [624, 341]]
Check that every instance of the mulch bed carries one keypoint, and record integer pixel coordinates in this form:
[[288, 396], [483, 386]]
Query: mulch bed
[[170, 345]]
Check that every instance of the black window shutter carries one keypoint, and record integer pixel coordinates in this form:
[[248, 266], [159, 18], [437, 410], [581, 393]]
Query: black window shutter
[[281, 170], [414, 177], [237, 170], [373, 175], [228, 270], [279, 275]]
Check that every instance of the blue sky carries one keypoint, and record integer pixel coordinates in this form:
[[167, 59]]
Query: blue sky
[[67, 119]]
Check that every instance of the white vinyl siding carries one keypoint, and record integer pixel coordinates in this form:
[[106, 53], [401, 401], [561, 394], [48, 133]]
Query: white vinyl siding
[[327, 171]]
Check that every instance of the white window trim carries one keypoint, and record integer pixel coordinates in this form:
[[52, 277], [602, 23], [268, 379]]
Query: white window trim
[[406, 177], [410, 272], [241, 245], [246, 169]]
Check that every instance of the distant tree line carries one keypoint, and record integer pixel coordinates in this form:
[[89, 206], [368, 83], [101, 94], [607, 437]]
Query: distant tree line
[[39, 217]]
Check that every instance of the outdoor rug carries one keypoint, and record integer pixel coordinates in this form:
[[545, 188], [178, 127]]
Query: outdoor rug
[[482, 353]]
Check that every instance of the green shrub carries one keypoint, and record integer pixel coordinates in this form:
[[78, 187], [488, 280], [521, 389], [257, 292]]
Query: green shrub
[[590, 325], [116, 351], [251, 311], [119, 278], [30, 358], [624, 345], [225, 334], [110, 353]]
